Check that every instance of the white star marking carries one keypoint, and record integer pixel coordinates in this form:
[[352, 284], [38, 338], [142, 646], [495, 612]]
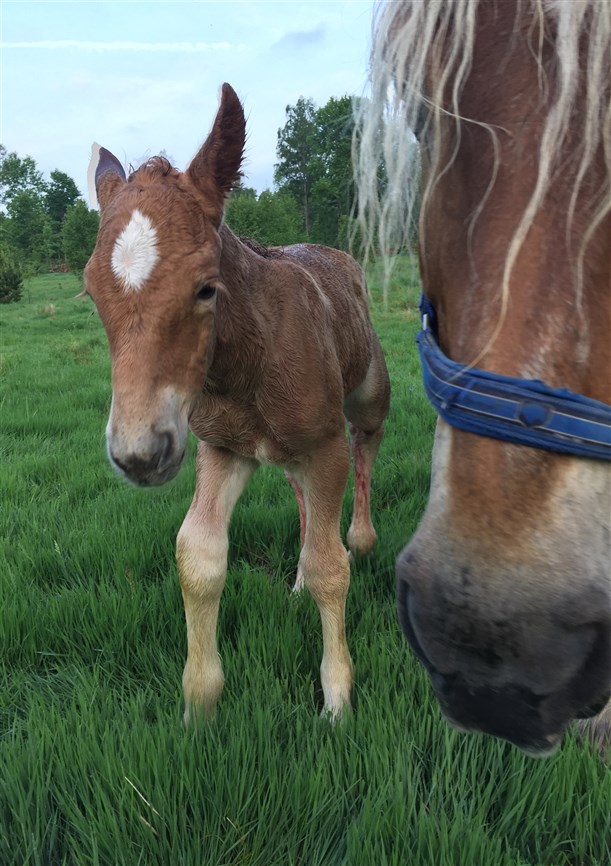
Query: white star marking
[[135, 252]]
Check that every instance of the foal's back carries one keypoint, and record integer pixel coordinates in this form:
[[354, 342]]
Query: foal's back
[[337, 301]]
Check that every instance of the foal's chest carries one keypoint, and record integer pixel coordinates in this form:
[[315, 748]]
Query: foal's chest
[[224, 423]]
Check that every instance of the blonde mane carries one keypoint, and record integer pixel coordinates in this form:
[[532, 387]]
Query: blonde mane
[[406, 43]]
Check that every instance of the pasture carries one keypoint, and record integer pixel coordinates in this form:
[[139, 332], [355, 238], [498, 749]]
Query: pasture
[[95, 766]]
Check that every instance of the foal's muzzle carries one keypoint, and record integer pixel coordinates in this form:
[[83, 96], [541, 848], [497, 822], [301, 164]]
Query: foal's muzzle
[[154, 464], [146, 434]]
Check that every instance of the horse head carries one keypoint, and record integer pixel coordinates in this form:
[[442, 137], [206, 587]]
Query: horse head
[[504, 591], [154, 276]]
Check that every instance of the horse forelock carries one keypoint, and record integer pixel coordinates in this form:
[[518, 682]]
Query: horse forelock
[[154, 169], [421, 61]]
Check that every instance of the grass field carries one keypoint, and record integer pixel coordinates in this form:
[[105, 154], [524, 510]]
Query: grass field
[[95, 767]]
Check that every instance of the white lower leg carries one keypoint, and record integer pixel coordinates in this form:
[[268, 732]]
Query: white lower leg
[[202, 563], [201, 552], [328, 579], [336, 665]]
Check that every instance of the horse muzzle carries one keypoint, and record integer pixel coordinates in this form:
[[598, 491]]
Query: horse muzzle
[[157, 463], [521, 675], [147, 454]]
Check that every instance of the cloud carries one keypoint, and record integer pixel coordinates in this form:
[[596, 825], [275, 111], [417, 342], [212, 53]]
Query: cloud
[[301, 38], [81, 45]]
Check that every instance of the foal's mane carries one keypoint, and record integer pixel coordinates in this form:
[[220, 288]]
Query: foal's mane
[[406, 36], [262, 250]]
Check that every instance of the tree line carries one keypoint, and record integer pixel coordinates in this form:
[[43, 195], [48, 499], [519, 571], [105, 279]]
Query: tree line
[[46, 225], [314, 192]]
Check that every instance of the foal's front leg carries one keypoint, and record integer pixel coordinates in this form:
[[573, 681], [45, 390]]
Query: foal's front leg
[[324, 563], [201, 552]]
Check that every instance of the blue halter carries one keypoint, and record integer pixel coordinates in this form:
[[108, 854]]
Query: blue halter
[[522, 411]]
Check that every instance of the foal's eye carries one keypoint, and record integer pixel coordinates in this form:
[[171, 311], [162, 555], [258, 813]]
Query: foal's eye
[[206, 292]]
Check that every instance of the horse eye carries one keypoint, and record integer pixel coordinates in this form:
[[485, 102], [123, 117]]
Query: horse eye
[[206, 292]]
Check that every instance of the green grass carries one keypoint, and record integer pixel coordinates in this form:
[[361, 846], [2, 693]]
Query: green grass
[[95, 767]]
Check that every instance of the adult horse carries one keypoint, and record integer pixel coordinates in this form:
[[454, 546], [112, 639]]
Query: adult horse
[[504, 592], [262, 353]]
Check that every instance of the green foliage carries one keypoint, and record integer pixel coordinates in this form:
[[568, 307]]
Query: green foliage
[[272, 219], [19, 175], [79, 232], [280, 218], [61, 194], [333, 192], [315, 166], [96, 767], [34, 211], [25, 226], [242, 214], [11, 282], [297, 168]]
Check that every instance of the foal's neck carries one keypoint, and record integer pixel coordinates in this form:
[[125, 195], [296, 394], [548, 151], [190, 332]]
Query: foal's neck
[[242, 330]]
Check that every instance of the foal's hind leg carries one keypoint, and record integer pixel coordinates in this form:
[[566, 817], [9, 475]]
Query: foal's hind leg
[[299, 582], [365, 408], [324, 563], [201, 552], [361, 535]]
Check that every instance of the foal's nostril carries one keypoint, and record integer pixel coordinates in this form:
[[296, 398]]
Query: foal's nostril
[[165, 450]]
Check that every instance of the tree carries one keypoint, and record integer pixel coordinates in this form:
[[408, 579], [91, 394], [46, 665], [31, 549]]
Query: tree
[[333, 191], [18, 175], [60, 195], [79, 231], [25, 226], [298, 167], [315, 165], [11, 284], [280, 219], [273, 219], [242, 214]]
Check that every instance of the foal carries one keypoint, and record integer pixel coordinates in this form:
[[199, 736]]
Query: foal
[[261, 353]]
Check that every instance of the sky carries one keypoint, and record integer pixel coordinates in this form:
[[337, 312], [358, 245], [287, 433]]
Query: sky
[[144, 77]]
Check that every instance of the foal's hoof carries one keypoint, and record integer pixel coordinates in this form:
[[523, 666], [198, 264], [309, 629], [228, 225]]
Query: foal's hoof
[[197, 714], [361, 541], [336, 715]]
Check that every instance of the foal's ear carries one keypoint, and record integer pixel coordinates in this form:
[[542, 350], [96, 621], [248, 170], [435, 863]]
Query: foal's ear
[[216, 166], [104, 176]]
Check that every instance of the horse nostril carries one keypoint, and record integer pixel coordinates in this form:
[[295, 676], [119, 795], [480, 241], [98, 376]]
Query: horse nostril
[[165, 452]]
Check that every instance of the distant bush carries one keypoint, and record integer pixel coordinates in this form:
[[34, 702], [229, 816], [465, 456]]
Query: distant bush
[[11, 282]]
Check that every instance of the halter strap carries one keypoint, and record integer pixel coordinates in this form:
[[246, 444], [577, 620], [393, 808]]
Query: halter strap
[[522, 411]]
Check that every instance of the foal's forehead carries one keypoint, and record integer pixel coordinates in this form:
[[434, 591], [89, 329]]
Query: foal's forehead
[[135, 251], [149, 229]]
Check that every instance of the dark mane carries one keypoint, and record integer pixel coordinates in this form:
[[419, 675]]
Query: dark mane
[[263, 251]]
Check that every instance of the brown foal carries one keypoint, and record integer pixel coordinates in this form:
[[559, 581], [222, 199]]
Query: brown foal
[[263, 353]]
